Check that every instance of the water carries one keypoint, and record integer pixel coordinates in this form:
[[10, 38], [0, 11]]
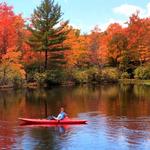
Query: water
[[118, 118]]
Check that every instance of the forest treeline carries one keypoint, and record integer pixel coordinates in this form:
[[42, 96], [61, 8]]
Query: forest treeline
[[47, 50]]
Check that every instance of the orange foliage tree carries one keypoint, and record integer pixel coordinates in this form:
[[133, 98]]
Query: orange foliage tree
[[77, 55], [105, 38], [138, 33], [94, 46], [11, 43]]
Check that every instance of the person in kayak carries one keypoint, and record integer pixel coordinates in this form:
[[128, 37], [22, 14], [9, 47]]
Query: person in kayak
[[62, 115]]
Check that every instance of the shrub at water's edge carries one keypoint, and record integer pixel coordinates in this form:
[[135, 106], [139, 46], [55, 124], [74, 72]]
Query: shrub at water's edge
[[89, 76], [110, 74], [95, 75], [142, 72], [12, 73], [125, 75]]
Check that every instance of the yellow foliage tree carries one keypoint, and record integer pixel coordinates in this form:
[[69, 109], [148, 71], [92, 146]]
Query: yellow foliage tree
[[11, 68]]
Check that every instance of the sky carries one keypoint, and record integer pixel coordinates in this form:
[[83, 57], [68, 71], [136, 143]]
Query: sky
[[86, 14]]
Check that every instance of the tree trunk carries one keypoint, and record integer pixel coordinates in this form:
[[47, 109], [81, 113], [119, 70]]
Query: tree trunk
[[46, 59]]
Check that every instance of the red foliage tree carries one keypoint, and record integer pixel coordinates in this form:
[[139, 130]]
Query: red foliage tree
[[106, 36], [138, 33], [11, 29]]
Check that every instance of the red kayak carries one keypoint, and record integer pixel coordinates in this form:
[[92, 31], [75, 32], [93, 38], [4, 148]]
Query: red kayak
[[52, 122]]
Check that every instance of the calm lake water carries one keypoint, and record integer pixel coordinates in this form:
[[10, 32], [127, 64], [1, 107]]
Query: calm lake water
[[118, 118]]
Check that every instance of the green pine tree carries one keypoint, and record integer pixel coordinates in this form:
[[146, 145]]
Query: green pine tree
[[48, 34]]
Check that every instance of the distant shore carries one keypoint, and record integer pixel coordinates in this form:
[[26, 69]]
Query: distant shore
[[34, 85], [134, 81]]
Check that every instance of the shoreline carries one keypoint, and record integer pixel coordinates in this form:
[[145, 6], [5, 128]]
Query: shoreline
[[122, 81], [134, 81]]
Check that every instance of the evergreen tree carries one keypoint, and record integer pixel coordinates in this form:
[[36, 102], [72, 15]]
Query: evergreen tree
[[48, 34]]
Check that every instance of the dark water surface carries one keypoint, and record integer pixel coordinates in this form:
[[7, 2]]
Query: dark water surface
[[118, 118]]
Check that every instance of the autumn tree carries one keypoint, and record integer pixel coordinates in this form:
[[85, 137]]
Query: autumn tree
[[94, 46], [105, 38], [83, 55], [118, 50], [77, 55], [11, 69], [47, 35], [11, 29], [11, 45], [143, 48], [135, 32], [73, 43]]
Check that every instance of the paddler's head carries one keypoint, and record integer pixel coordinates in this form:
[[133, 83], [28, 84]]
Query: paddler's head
[[62, 109]]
